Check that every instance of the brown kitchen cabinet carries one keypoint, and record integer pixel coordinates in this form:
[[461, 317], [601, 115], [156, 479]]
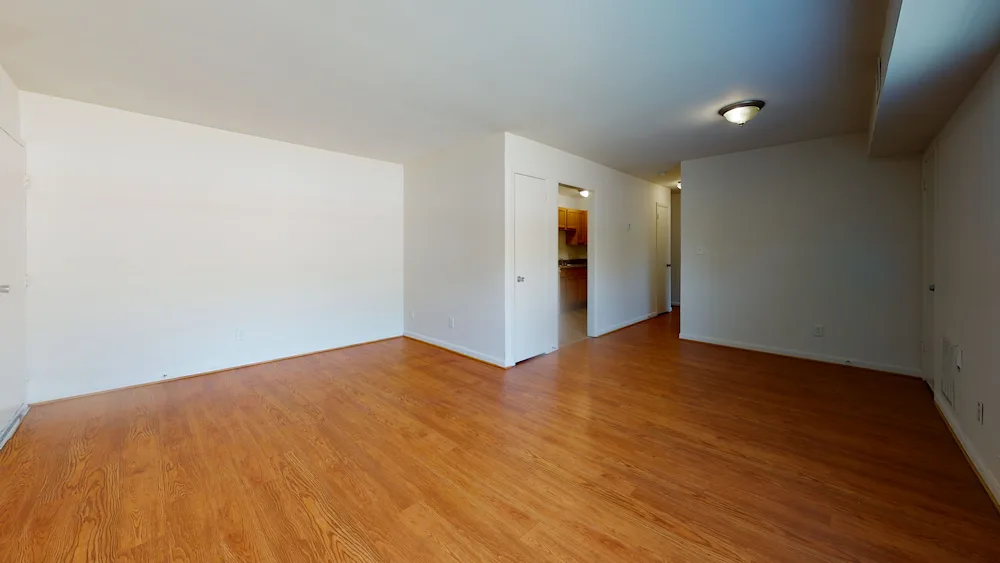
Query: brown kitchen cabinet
[[572, 288], [579, 236], [572, 219]]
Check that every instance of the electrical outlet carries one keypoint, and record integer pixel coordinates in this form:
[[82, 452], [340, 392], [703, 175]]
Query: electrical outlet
[[451, 322], [819, 331], [240, 334], [413, 315]]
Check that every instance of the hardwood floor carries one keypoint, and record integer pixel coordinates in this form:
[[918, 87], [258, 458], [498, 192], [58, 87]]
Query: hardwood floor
[[632, 447], [572, 326]]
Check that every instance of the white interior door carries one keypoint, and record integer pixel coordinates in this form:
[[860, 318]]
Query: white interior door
[[928, 342], [531, 238], [12, 268], [663, 300]]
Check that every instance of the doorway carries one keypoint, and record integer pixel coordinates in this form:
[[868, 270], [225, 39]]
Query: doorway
[[663, 265], [573, 231]]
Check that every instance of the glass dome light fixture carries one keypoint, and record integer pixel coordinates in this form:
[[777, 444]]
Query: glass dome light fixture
[[741, 112]]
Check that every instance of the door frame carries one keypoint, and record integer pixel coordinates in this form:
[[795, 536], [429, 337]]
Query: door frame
[[593, 258], [591, 261]]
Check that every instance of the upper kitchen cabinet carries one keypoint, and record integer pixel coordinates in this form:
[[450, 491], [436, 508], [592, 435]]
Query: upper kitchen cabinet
[[575, 222], [572, 219], [579, 236]]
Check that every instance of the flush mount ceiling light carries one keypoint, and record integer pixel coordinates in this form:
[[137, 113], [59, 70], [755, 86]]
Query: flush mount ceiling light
[[741, 112], [678, 185], [585, 193]]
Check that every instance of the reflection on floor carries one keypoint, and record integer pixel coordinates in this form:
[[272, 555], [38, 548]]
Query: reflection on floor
[[572, 326]]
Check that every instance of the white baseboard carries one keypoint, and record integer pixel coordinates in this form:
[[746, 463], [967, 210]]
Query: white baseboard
[[987, 476], [9, 430], [455, 348], [912, 372], [620, 326], [675, 303]]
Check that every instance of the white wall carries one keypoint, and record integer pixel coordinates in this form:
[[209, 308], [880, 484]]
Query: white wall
[[967, 267], [454, 248], [10, 108], [621, 237], [780, 239], [13, 390], [675, 247], [153, 244], [571, 199]]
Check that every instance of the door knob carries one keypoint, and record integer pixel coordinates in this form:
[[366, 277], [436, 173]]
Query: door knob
[[4, 289]]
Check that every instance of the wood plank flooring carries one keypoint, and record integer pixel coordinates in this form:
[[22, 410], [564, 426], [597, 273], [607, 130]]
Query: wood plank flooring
[[572, 326], [632, 447]]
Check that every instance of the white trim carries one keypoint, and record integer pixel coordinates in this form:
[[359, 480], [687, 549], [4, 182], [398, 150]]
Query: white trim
[[912, 372], [456, 348], [988, 478], [14, 423], [620, 326], [675, 303]]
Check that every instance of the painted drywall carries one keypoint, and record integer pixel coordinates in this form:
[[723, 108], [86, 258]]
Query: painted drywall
[[454, 248], [571, 199], [158, 247], [634, 85], [778, 240], [938, 51], [13, 257], [621, 236], [967, 271], [10, 113]]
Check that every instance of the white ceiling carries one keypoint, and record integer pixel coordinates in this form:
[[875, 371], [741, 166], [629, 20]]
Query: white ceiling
[[937, 53], [631, 84]]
